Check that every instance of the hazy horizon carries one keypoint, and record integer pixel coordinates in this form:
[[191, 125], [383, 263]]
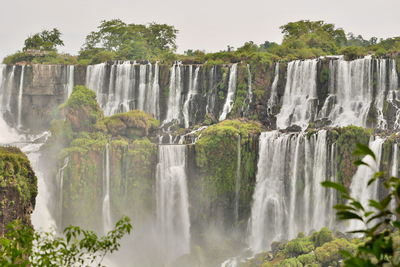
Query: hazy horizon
[[209, 25]]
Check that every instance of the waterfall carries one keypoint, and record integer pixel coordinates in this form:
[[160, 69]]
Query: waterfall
[[60, 180], [107, 221], [381, 92], [211, 94], [359, 189], [70, 80], [249, 97], [191, 92], [20, 92], [120, 89], [152, 94], [273, 99], [142, 86], [350, 92], [172, 201], [95, 80], [6, 86], [230, 97], [300, 97], [175, 91], [8, 134], [237, 181], [288, 197]]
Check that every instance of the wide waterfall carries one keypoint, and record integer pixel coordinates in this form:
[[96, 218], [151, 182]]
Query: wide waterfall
[[356, 89], [124, 86], [288, 198], [230, 97], [172, 201], [300, 98]]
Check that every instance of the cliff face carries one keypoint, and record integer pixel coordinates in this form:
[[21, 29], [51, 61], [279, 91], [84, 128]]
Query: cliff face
[[18, 187], [360, 92]]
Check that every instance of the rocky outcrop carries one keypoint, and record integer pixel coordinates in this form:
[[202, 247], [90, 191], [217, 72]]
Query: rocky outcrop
[[18, 187]]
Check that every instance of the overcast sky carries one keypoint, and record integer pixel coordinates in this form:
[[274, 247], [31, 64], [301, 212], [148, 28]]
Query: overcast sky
[[203, 24]]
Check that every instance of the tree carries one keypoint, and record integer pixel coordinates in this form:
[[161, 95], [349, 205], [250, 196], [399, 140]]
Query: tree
[[23, 247], [45, 40], [379, 219], [130, 41]]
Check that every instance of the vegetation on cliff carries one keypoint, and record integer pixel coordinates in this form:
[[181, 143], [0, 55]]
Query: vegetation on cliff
[[217, 159], [117, 40], [131, 124], [18, 187], [322, 248]]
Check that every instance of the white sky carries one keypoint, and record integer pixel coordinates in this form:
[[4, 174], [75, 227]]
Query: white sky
[[203, 24]]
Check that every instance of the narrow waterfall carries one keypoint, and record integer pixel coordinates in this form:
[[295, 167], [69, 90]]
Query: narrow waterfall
[[6, 87], [60, 180], [70, 80], [20, 92], [8, 134], [237, 181], [95, 80], [175, 91], [300, 99], [172, 201], [288, 198], [249, 97], [191, 92], [358, 187], [273, 99], [211, 94], [230, 97], [152, 94], [381, 92], [142, 86], [395, 161], [107, 221]]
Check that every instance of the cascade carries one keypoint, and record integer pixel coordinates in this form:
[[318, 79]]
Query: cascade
[[273, 99], [60, 179], [237, 181], [8, 134], [282, 207], [120, 89], [211, 94], [191, 92], [20, 91], [249, 97], [381, 92], [70, 80], [172, 201], [175, 91], [351, 91], [300, 97], [230, 97], [107, 221], [152, 96], [142, 86], [358, 187]]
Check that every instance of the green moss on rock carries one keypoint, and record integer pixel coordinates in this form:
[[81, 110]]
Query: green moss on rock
[[82, 109], [217, 159], [132, 124], [18, 187]]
